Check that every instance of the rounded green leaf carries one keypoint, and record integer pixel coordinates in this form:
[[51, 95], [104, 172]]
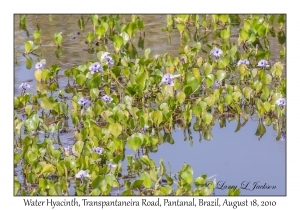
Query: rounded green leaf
[[221, 74], [187, 176], [134, 143], [210, 79], [207, 118], [115, 129], [38, 75], [207, 69], [80, 79], [197, 110], [180, 97]]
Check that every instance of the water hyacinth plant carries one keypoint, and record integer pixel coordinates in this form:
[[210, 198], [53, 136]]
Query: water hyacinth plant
[[83, 101], [106, 98], [216, 52], [95, 67], [101, 123], [98, 150], [263, 64], [168, 79], [81, 175], [244, 61], [40, 65]]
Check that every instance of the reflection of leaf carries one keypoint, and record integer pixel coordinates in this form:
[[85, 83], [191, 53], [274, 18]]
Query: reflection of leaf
[[260, 131], [238, 127], [168, 138]]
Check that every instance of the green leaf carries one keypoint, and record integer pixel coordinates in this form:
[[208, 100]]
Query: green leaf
[[80, 79], [187, 90], [94, 82], [208, 135], [28, 46], [131, 29], [180, 27], [157, 117], [180, 97], [267, 106], [197, 74], [207, 69], [47, 103], [115, 129], [90, 37], [134, 143], [29, 62], [147, 53], [221, 74], [96, 192], [209, 79], [207, 118], [197, 110], [187, 176], [137, 184], [243, 34], [242, 69], [118, 42], [48, 168], [247, 92]]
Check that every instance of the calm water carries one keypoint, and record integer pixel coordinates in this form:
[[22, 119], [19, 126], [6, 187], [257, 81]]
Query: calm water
[[233, 158]]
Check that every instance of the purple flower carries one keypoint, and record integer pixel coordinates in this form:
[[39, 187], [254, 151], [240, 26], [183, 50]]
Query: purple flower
[[97, 150], [263, 64], [283, 136], [81, 175], [245, 61], [106, 98], [217, 83], [24, 86], [281, 102], [216, 52], [104, 55], [169, 79], [143, 131], [182, 60], [109, 60], [67, 150], [83, 101], [110, 165], [96, 67], [40, 65]]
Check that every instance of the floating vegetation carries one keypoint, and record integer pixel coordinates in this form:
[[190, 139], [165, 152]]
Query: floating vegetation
[[122, 100]]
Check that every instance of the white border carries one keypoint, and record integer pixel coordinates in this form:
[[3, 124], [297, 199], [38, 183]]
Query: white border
[[8, 8]]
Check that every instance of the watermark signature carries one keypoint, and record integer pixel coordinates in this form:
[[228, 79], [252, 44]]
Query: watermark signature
[[246, 185]]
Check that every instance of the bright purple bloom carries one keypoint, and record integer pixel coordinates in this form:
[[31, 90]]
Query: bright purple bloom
[[81, 175], [143, 131], [83, 101], [109, 61], [263, 64], [110, 165], [97, 150], [40, 65], [283, 136], [216, 52], [217, 83], [106, 98], [245, 61], [281, 102], [24, 86], [169, 79], [96, 67]]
